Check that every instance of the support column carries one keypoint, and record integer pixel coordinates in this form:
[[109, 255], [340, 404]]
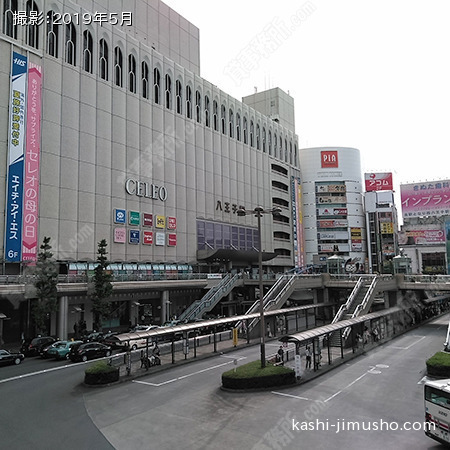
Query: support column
[[63, 311], [165, 307]]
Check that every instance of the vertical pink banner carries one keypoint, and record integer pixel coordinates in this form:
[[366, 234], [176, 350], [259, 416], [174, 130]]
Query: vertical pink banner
[[32, 156]]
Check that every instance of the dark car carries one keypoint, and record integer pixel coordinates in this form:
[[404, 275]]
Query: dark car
[[96, 336], [7, 357], [36, 345], [45, 348], [89, 350]]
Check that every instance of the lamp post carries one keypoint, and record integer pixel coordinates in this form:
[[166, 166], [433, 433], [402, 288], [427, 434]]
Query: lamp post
[[258, 212]]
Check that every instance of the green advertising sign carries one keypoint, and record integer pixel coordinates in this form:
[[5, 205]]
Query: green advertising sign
[[134, 218]]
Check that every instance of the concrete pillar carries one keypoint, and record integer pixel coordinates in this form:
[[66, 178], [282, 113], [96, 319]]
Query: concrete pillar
[[63, 311], [165, 307]]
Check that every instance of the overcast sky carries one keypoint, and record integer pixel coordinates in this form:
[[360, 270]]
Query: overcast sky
[[374, 75]]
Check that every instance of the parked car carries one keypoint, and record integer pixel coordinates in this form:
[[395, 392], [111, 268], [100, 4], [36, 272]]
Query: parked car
[[7, 357], [36, 345], [96, 336], [89, 350], [141, 328], [61, 349]]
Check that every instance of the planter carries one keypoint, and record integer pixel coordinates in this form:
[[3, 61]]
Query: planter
[[101, 373]]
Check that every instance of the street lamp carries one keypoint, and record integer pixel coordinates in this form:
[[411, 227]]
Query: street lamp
[[258, 212]]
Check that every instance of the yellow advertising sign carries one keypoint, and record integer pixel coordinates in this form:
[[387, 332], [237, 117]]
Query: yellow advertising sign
[[387, 228], [160, 222]]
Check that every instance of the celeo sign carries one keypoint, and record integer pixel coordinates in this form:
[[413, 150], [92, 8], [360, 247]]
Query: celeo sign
[[144, 189]]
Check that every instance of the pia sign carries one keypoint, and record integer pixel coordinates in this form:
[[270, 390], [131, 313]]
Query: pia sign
[[329, 158]]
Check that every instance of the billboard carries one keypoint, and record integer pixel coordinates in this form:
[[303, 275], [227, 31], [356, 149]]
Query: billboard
[[16, 150], [297, 214], [378, 182], [425, 199], [427, 236], [329, 158], [447, 242]]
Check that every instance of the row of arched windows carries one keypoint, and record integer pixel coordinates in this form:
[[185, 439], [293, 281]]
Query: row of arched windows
[[197, 107]]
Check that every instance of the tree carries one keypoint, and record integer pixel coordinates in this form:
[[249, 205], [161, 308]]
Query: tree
[[102, 284], [46, 281]]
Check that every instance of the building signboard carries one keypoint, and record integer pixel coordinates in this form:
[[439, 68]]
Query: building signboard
[[147, 220], [120, 215], [425, 199], [120, 235], [147, 237], [327, 211], [134, 237], [329, 158], [378, 182], [134, 218]]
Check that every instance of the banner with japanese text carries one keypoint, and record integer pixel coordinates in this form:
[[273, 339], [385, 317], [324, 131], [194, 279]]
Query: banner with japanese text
[[431, 198], [32, 157], [16, 143]]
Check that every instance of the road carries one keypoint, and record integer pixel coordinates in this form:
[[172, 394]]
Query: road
[[184, 407]]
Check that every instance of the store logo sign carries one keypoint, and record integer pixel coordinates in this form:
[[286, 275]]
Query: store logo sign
[[329, 158]]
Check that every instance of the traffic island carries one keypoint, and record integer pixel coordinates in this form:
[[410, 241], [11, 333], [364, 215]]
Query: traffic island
[[252, 376], [101, 373], [439, 365]]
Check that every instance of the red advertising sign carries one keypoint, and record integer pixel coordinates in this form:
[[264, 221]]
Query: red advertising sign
[[172, 239], [378, 182], [147, 220], [148, 238], [171, 223], [329, 158]]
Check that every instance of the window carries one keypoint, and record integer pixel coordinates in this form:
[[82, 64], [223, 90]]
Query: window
[[281, 148], [258, 137], [223, 119], [238, 126], [70, 44], [275, 145], [103, 59], [178, 97], [198, 106], [207, 112], [231, 122], [290, 153], [156, 86], [132, 73], [9, 9], [52, 35], [252, 132], [32, 36], [215, 118], [285, 151], [168, 91], [295, 154], [189, 102], [245, 131], [264, 140], [118, 67], [87, 51], [269, 144], [144, 68]]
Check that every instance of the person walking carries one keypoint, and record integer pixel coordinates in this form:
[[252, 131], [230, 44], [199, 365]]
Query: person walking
[[308, 358], [280, 355]]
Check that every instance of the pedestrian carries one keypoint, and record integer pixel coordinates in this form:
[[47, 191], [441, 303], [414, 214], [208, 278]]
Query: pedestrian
[[280, 355], [269, 333], [308, 358]]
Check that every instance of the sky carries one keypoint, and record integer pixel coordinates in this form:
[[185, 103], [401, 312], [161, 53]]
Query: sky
[[373, 75]]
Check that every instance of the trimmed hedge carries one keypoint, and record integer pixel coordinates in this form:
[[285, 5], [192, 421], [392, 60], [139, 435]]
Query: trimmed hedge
[[251, 376], [101, 373], [439, 365]]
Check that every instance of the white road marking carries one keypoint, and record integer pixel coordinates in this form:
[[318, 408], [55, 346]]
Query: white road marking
[[346, 387], [409, 346], [188, 375], [31, 374], [292, 396]]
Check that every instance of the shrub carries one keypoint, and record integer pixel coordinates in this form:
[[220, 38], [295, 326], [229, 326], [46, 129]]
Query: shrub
[[101, 373], [439, 365], [251, 376]]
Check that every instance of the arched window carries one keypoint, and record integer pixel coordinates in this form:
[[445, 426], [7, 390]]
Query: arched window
[[238, 126], [245, 126], [118, 67], [295, 154], [264, 140], [144, 69], [70, 44], [270, 142], [9, 10], [207, 112], [290, 153], [223, 119], [189, 102], [280, 148], [87, 51], [231, 122], [132, 73], [275, 140], [252, 132], [215, 116], [179, 96], [156, 86], [103, 59], [52, 35], [258, 137], [285, 150], [168, 91], [32, 36], [198, 106]]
